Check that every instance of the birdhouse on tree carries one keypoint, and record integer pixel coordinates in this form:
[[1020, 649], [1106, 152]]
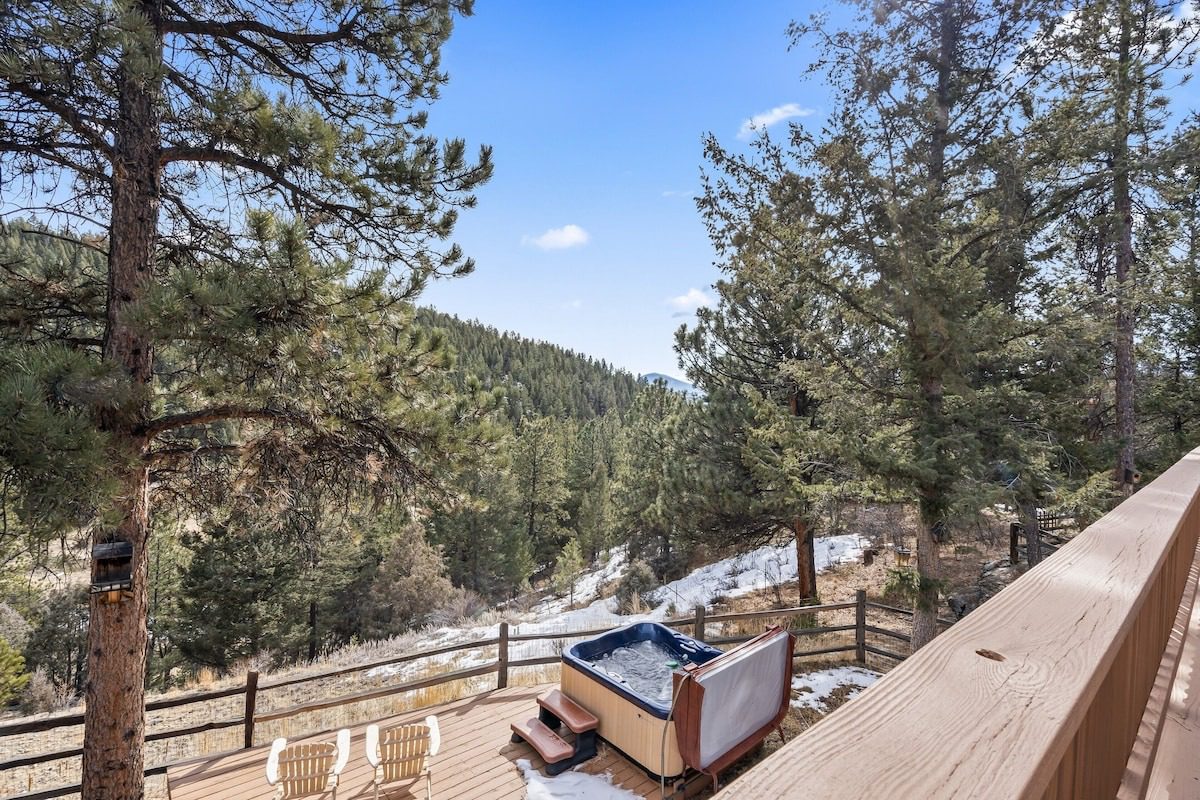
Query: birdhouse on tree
[[112, 571]]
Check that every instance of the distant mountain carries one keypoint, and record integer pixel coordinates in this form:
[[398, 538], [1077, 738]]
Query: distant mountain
[[537, 376], [683, 387]]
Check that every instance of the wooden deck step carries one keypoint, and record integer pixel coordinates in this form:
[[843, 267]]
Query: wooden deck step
[[546, 742], [570, 713]]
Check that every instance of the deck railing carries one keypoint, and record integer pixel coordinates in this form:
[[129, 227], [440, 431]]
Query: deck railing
[[866, 641], [1051, 689]]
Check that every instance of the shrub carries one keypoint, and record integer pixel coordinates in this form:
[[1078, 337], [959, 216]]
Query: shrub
[[42, 696], [637, 581]]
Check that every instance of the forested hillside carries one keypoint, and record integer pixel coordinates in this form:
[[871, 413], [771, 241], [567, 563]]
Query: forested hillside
[[570, 459], [538, 377]]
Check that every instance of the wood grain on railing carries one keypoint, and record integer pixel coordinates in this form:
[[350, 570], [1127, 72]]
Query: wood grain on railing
[[1038, 693]]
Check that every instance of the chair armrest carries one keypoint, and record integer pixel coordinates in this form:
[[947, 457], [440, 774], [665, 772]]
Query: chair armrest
[[277, 747], [435, 735], [373, 746], [343, 747]]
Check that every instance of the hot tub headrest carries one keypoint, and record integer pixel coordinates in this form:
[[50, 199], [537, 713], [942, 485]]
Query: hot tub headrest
[[727, 706]]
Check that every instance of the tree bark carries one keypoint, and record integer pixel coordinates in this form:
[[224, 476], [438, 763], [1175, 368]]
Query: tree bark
[[1123, 217], [806, 562], [114, 719], [1027, 512]]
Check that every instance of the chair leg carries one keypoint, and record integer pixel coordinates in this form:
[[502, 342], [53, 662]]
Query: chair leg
[[428, 786]]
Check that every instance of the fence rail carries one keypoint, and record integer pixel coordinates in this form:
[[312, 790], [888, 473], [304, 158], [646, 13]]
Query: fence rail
[[699, 623]]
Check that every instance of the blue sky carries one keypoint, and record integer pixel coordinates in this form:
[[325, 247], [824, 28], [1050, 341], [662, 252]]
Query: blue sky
[[596, 113]]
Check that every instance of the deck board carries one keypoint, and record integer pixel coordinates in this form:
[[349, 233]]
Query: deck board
[[476, 760]]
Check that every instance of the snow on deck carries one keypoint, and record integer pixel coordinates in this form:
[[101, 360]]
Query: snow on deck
[[571, 785]]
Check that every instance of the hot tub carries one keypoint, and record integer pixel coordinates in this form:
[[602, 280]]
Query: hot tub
[[624, 677]]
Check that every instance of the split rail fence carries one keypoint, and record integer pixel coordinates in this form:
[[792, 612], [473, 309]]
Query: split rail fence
[[866, 641]]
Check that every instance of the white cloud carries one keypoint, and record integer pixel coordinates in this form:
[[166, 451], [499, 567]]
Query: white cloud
[[679, 193], [690, 301], [558, 238], [571, 304], [766, 119]]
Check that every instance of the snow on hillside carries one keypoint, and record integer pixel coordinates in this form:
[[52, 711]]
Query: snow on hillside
[[731, 577]]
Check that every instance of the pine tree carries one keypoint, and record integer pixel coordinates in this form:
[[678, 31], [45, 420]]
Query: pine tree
[[13, 677], [752, 345], [568, 568], [1102, 131], [646, 495], [539, 464], [149, 112], [885, 220]]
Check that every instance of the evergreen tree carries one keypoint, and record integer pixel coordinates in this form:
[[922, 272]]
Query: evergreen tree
[[646, 495], [149, 112], [13, 677], [539, 464], [1104, 140], [568, 568], [886, 221], [751, 347]]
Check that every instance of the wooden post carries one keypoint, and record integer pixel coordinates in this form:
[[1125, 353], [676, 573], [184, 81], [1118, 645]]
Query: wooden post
[[1014, 542], [698, 628], [502, 658], [251, 700], [860, 626]]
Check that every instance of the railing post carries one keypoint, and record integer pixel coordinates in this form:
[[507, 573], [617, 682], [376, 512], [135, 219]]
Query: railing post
[[698, 628], [251, 701], [860, 626], [1014, 543], [502, 658]]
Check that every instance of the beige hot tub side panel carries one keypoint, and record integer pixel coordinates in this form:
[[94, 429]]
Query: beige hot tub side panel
[[636, 732]]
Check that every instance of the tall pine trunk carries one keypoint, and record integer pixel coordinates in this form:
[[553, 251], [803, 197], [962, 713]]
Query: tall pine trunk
[[114, 722], [1027, 514], [933, 507], [806, 562], [928, 349], [1123, 214]]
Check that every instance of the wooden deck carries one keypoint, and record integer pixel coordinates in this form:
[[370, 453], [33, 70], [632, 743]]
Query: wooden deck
[[476, 760]]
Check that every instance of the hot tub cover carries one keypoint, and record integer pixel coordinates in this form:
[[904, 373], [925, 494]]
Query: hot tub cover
[[727, 706]]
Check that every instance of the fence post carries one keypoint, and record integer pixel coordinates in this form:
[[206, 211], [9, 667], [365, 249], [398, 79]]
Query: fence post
[[860, 626], [251, 700], [698, 628], [502, 658], [1014, 543]]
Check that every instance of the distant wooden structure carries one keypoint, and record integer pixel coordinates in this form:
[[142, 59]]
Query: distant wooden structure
[[1080, 680]]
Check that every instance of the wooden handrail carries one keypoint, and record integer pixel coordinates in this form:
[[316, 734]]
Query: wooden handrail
[[1038, 693]]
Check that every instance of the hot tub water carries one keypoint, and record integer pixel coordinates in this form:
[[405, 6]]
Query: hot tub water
[[645, 667]]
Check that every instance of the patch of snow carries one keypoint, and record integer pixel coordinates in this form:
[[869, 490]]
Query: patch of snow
[[739, 575], [570, 785], [813, 689], [759, 569], [589, 584]]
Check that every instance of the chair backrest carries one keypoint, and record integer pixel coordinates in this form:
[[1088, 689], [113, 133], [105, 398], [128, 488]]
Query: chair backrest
[[402, 751], [306, 768]]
